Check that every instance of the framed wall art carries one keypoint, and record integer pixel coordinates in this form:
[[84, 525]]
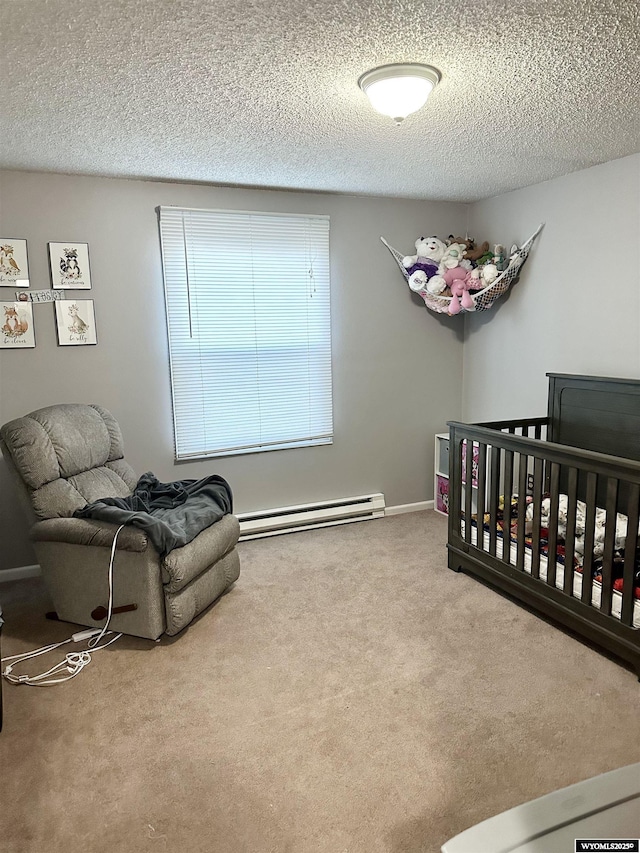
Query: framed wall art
[[16, 325], [14, 267], [69, 264], [75, 322]]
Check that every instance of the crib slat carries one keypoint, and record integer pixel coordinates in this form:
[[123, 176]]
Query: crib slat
[[535, 530], [587, 564], [465, 497], [507, 491], [630, 545], [456, 509], [494, 491], [468, 491], [570, 537], [554, 489], [482, 491], [523, 464], [538, 431], [611, 508]]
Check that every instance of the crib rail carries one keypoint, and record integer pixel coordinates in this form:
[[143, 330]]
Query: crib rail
[[499, 528]]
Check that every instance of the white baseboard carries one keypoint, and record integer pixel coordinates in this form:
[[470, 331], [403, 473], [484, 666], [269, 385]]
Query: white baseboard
[[19, 573], [416, 507]]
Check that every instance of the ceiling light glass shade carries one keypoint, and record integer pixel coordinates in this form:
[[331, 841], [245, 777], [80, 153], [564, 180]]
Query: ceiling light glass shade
[[400, 89]]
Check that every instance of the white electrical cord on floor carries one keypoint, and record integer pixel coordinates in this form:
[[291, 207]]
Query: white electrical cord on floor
[[74, 662]]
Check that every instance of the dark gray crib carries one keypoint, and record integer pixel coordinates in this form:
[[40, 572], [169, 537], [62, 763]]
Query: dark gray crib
[[587, 448]]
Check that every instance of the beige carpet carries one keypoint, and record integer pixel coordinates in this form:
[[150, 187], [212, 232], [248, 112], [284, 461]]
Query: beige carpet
[[349, 695]]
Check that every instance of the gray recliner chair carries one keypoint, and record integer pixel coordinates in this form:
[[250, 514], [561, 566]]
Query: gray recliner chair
[[63, 457]]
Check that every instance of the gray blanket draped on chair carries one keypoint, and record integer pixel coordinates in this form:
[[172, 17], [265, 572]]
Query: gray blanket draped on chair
[[171, 514]]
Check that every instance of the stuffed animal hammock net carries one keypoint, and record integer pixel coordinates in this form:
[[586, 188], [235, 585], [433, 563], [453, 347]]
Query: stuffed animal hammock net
[[482, 299]]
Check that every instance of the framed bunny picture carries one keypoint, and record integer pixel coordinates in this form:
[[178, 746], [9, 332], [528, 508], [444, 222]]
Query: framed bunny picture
[[75, 322]]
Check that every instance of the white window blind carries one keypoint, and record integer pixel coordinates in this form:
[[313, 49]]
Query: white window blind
[[248, 317]]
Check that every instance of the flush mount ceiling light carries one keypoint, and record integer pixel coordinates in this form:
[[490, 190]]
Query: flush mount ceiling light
[[400, 89]]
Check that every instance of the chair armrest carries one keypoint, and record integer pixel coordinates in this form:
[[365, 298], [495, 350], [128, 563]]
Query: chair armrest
[[85, 531], [182, 565]]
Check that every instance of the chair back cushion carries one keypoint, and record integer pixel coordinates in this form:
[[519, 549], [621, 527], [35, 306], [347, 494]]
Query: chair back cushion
[[67, 456]]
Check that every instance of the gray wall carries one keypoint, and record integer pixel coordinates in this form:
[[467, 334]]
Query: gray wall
[[576, 308], [397, 367]]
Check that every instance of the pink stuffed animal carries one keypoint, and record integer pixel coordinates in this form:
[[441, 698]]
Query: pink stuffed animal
[[460, 282]]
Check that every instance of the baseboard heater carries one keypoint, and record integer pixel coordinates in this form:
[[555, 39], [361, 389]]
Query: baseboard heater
[[288, 519]]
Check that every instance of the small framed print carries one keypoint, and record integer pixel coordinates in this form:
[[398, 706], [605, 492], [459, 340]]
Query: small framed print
[[16, 325], [69, 264], [14, 267], [75, 322]]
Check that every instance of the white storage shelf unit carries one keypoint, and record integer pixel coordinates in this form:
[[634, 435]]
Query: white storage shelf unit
[[441, 473]]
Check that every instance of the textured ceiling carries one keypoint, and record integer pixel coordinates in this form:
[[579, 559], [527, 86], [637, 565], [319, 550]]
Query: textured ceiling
[[265, 93]]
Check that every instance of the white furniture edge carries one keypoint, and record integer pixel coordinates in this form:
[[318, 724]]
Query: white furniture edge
[[537, 818], [19, 573]]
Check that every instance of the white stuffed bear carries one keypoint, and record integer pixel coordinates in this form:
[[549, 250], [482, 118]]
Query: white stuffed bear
[[485, 275], [489, 273], [428, 249]]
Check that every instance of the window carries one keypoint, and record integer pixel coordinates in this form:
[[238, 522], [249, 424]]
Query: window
[[248, 318]]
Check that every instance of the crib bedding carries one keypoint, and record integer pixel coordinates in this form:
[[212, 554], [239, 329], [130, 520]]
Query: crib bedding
[[596, 590], [599, 533]]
